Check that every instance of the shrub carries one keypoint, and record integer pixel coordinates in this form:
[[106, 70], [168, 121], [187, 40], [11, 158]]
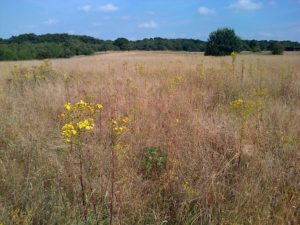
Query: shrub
[[154, 161], [222, 42], [277, 48], [123, 44]]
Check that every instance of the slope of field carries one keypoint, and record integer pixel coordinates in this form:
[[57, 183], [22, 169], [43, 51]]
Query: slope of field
[[184, 138]]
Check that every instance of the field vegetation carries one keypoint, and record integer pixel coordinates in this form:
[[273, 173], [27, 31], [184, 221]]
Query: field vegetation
[[31, 46], [151, 138]]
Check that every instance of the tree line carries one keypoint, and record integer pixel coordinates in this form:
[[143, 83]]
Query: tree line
[[31, 46]]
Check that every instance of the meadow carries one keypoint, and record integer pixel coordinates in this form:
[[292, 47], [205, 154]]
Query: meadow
[[151, 138]]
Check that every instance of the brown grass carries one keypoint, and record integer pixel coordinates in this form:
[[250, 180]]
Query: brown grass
[[220, 169]]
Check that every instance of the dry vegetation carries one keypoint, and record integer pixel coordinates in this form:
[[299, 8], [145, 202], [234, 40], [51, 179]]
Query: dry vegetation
[[209, 140]]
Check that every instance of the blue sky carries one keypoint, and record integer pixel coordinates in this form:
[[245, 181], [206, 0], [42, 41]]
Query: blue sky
[[137, 19]]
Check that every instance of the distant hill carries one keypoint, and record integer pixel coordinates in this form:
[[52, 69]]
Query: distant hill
[[31, 46]]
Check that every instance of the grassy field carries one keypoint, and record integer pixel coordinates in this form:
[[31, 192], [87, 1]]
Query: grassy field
[[181, 139]]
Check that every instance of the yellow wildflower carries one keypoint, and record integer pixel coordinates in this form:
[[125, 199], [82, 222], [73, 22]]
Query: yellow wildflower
[[99, 106], [81, 105], [119, 124], [68, 106], [118, 146], [81, 124], [87, 124], [68, 131], [125, 119], [81, 102], [75, 121], [119, 130], [237, 103], [91, 108], [89, 128], [233, 54]]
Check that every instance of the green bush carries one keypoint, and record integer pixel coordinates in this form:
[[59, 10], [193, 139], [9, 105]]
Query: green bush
[[154, 161], [123, 44], [222, 42], [277, 48]]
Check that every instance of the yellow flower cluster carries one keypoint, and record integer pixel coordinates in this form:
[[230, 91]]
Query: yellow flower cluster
[[87, 124], [83, 106], [68, 131], [176, 80], [242, 109], [78, 118], [68, 106], [237, 107], [34, 74], [233, 54], [238, 103], [119, 125]]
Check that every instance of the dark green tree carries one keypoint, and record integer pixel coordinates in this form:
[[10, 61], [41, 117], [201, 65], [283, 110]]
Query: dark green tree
[[277, 48], [222, 42], [123, 44], [254, 45]]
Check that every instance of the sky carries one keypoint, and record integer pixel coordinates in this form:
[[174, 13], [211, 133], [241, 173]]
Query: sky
[[138, 19]]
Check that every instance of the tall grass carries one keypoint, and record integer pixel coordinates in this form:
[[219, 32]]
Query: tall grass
[[212, 160]]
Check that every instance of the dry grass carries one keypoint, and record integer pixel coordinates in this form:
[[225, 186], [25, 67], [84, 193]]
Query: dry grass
[[221, 169]]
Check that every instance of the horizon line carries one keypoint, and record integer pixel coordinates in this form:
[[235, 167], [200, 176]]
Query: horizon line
[[170, 38]]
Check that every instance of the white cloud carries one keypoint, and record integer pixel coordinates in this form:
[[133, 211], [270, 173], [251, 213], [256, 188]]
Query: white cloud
[[51, 22], [204, 11], [107, 8], [150, 24], [102, 8], [129, 18], [246, 5], [86, 8]]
